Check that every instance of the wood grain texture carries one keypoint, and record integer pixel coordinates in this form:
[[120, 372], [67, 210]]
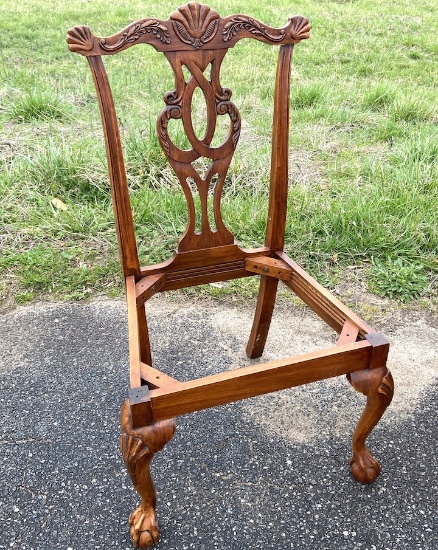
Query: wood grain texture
[[154, 377], [116, 167], [349, 333], [378, 386], [147, 286], [280, 153], [134, 335], [143, 335], [320, 300], [264, 265], [262, 317], [260, 379], [203, 258], [138, 447], [191, 27]]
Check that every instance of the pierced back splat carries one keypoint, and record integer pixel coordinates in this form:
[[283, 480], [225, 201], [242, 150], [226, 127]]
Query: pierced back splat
[[179, 106], [194, 39]]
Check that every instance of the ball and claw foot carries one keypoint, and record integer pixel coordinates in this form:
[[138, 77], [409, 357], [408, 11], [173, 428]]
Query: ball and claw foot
[[143, 527], [378, 386], [364, 467], [138, 447]]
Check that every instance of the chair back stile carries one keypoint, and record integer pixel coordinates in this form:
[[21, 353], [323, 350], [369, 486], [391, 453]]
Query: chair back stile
[[116, 168]]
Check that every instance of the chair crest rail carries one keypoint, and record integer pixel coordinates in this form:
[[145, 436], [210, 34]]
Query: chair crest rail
[[191, 27]]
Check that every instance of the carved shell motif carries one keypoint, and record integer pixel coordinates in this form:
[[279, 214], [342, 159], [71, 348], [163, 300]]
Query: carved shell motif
[[80, 39], [195, 24], [300, 28]]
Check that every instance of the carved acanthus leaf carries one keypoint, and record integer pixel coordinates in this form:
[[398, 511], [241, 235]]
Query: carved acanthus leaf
[[239, 22], [224, 107], [133, 450], [195, 24], [387, 387], [133, 33]]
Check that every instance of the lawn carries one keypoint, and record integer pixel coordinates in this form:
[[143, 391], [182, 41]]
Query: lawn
[[364, 147]]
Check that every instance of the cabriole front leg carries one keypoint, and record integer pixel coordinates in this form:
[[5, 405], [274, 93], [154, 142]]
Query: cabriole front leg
[[378, 386], [138, 448]]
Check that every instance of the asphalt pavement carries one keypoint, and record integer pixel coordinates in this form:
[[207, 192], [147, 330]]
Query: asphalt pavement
[[226, 480]]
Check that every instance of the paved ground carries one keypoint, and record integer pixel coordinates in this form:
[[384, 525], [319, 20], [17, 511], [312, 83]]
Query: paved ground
[[267, 473]]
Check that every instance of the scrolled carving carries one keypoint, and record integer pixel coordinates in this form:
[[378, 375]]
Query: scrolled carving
[[239, 22], [133, 33], [195, 24], [173, 111], [300, 28], [227, 107], [172, 97], [80, 39], [223, 94]]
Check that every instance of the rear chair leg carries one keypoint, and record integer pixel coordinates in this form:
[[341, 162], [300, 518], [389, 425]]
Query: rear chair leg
[[378, 386], [138, 448], [143, 332], [262, 316]]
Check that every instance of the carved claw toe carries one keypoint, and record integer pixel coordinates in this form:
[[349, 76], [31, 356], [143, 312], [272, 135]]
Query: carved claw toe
[[364, 466], [143, 527]]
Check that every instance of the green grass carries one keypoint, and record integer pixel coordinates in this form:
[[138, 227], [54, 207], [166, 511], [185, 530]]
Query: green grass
[[364, 135], [36, 105]]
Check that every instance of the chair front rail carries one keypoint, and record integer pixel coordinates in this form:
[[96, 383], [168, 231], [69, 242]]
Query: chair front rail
[[184, 397]]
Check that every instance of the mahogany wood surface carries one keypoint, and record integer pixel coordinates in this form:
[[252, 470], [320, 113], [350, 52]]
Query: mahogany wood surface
[[195, 41], [116, 168], [138, 447], [329, 308], [154, 377], [378, 386], [189, 28], [134, 336], [219, 389], [348, 334], [143, 336], [262, 315]]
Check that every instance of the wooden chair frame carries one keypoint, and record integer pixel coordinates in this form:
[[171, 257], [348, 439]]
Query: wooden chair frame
[[196, 37]]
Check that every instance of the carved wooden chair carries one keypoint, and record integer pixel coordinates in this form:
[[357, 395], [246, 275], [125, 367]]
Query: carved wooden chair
[[196, 38]]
